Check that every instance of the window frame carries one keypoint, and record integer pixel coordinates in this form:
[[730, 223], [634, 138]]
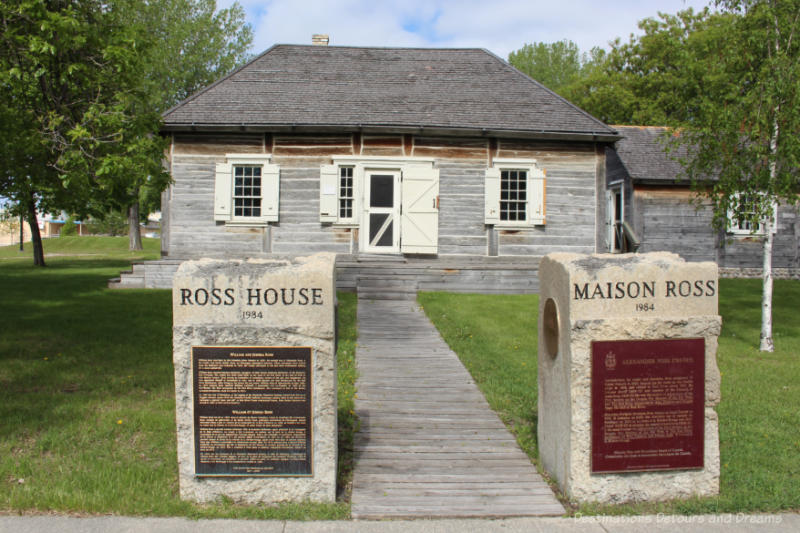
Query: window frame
[[360, 164], [340, 197], [734, 228], [234, 197], [270, 192], [519, 177], [535, 193]]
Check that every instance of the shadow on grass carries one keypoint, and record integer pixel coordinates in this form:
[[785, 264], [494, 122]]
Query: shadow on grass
[[87, 420], [67, 335]]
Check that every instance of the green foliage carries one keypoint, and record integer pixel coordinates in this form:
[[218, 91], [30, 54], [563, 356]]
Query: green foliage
[[554, 65], [70, 229], [112, 223], [652, 79], [193, 45], [657, 77], [83, 85], [744, 132], [188, 45]]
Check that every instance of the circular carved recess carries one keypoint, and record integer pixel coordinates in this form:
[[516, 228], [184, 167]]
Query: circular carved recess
[[550, 327]]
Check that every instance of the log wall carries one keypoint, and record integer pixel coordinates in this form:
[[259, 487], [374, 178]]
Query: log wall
[[666, 218], [572, 177]]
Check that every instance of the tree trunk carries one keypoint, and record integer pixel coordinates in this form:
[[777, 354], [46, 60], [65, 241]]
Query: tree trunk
[[766, 294], [766, 273], [36, 237], [134, 232], [21, 232]]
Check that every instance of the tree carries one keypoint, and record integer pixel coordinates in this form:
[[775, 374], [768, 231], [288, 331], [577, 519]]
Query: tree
[[554, 65], [83, 85], [559, 66], [744, 129], [69, 69], [192, 44], [655, 78]]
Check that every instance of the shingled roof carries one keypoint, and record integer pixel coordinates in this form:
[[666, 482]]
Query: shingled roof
[[295, 87], [641, 151]]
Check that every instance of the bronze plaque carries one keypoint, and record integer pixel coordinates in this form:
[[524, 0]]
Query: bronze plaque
[[648, 399], [252, 410]]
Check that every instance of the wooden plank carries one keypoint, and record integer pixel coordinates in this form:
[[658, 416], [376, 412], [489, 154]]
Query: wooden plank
[[428, 444], [419, 445], [526, 487]]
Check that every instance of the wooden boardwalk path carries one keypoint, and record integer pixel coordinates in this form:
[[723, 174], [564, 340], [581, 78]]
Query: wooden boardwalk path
[[429, 445]]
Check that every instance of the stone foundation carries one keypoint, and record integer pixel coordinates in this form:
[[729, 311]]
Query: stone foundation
[[777, 273]]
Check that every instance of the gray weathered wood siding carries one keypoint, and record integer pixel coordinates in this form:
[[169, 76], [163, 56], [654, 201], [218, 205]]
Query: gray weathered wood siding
[[667, 220], [745, 252], [571, 201]]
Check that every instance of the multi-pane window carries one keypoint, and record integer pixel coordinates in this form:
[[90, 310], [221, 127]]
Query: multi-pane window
[[345, 192], [741, 223], [513, 195], [246, 191]]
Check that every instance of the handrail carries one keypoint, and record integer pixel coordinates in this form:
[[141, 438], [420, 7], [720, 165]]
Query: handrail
[[626, 237]]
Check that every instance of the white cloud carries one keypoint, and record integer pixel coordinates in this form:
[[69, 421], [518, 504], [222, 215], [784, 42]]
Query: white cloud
[[500, 26]]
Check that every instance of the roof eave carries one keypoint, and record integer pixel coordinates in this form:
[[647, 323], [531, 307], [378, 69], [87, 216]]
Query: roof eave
[[591, 136], [682, 182]]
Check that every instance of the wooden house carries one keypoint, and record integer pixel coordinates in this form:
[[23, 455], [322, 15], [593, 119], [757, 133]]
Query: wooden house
[[645, 189], [421, 169]]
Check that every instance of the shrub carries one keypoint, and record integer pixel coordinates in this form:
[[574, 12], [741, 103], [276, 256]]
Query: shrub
[[70, 228], [112, 223]]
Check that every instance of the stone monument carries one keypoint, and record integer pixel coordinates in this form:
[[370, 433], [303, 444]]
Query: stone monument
[[628, 377], [255, 379]]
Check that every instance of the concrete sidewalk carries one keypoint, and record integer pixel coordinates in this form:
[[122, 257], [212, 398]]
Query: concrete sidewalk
[[727, 523]]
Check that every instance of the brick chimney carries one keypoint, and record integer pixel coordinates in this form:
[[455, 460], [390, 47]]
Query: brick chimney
[[319, 39]]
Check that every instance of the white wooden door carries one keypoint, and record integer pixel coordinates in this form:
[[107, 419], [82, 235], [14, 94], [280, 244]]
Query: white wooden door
[[380, 230], [419, 233]]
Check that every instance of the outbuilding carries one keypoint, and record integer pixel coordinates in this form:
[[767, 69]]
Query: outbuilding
[[645, 189]]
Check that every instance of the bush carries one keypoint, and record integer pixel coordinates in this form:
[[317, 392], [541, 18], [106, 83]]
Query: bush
[[70, 229], [112, 223]]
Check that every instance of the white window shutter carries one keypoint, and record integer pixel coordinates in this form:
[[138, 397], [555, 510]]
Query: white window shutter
[[537, 184], [270, 192], [419, 224], [329, 193], [223, 192], [492, 196]]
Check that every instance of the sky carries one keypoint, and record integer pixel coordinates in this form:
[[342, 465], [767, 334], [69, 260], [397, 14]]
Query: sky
[[500, 26]]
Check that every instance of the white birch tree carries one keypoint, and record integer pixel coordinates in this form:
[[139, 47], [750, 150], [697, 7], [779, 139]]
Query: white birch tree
[[745, 134]]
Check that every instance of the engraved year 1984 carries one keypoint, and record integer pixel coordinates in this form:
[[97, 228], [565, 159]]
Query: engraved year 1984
[[644, 307], [252, 314]]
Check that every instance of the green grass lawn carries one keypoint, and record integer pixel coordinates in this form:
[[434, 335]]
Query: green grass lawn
[[87, 409], [496, 338], [87, 413], [85, 247]]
